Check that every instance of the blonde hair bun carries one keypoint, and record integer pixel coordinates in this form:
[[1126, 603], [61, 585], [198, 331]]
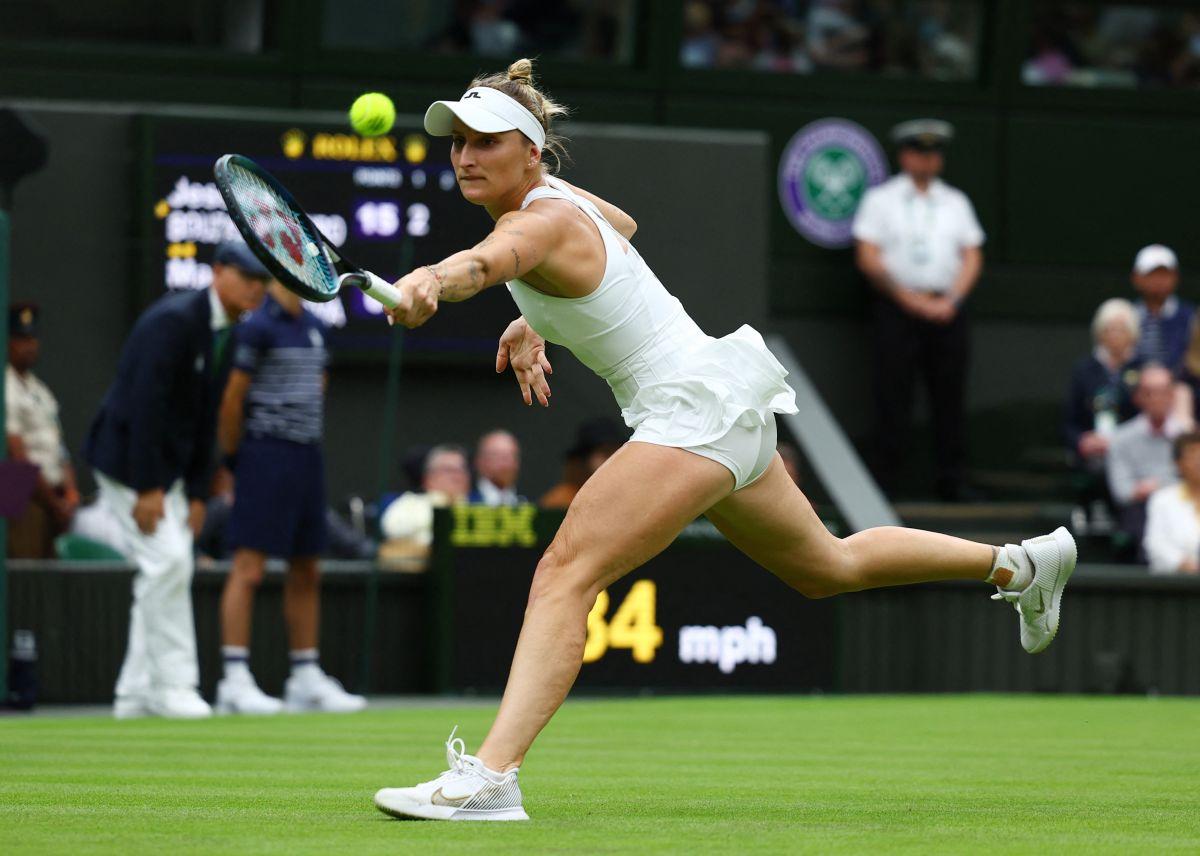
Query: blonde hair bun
[[517, 83], [521, 71]]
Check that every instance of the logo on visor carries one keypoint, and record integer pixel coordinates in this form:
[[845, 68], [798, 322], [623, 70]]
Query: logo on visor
[[825, 171], [472, 94]]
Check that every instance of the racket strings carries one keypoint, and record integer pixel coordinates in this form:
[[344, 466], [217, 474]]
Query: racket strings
[[285, 237]]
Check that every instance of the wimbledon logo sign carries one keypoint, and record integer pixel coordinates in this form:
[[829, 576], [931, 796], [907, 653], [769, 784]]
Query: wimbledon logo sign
[[825, 169]]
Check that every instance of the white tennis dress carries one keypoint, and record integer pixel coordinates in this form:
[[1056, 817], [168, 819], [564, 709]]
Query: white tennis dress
[[676, 385]]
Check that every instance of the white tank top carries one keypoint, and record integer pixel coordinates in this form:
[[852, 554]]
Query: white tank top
[[630, 331]]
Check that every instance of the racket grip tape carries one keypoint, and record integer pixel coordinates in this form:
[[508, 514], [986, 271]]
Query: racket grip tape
[[375, 287]]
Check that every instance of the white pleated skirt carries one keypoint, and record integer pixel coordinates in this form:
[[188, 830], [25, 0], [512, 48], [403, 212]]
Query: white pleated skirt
[[716, 385]]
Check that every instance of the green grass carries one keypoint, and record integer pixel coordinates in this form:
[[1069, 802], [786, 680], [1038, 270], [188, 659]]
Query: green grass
[[959, 774]]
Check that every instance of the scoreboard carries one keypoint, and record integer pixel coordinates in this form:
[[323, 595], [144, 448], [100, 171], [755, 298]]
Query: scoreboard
[[391, 203]]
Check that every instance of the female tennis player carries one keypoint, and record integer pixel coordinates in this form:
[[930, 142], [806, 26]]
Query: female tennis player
[[702, 413]]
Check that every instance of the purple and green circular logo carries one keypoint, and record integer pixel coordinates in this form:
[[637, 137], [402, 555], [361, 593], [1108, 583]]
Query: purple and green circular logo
[[825, 169]]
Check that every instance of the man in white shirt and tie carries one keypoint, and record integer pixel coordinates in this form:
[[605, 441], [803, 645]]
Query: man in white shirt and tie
[[919, 244]]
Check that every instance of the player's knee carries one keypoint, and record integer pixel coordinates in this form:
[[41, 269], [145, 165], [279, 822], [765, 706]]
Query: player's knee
[[826, 575], [558, 575]]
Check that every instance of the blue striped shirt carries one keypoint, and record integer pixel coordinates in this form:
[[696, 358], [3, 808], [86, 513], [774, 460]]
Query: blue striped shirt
[[286, 356]]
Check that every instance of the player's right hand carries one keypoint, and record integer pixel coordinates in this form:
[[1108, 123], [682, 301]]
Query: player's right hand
[[524, 350], [148, 510], [418, 299]]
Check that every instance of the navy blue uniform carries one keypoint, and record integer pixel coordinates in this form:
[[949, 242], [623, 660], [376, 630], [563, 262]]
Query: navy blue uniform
[[157, 422], [279, 489]]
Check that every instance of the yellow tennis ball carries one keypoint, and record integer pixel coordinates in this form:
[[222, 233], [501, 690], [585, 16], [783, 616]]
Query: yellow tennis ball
[[372, 114]]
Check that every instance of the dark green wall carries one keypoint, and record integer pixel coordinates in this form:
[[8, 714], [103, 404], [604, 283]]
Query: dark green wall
[[1068, 183]]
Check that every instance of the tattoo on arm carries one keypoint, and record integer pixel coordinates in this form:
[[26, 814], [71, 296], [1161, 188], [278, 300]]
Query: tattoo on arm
[[439, 277], [516, 262]]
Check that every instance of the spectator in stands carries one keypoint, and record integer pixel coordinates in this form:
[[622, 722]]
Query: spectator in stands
[[1140, 458], [1172, 541], [1165, 319], [919, 244], [595, 442], [836, 37], [151, 448], [446, 473], [35, 436], [270, 430], [497, 466], [1100, 396], [446, 480]]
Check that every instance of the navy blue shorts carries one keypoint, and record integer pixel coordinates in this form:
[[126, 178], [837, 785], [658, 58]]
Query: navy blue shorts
[[278, 499]]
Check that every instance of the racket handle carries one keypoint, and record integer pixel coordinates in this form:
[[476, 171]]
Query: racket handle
[[374, 287]]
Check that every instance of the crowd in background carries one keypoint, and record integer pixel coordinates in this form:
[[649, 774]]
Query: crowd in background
[[1113, 45], [929, 38], [580, 29], [1130, 419]]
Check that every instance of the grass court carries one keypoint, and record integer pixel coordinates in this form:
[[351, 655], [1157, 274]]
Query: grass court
[[962, 774]]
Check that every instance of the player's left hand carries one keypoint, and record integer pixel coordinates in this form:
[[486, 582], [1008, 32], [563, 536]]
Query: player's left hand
[[524, 350], [196, 513], [418, 299]]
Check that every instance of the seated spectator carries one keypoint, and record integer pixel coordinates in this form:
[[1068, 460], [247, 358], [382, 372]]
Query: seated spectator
[[1140, 456], [446, 473], [446, 480], [1102, 384], [35, 436], [1172, 541], [497, 466], [1165, 320], [596, 441]]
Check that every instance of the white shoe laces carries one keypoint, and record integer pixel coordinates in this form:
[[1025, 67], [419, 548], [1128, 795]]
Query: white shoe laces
[[1004, 594], [456, 754]]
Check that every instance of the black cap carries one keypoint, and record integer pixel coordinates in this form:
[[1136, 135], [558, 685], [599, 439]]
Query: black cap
[[596, 434], [238, 255], [927, 135], [23, 319]]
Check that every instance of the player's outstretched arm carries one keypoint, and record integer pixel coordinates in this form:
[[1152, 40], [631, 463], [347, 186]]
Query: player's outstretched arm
[[524, 350], [520, 242]]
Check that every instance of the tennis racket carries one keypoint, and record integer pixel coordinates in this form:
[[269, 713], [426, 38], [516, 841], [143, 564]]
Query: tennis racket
[[284, 238]]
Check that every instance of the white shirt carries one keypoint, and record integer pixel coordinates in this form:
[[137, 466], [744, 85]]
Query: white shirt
[[490, 494], [1172, 529], [921, 235], [31, 413], [220, 318]]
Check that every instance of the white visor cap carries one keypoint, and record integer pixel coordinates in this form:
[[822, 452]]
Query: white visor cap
[[1153, 257], [486, 110]]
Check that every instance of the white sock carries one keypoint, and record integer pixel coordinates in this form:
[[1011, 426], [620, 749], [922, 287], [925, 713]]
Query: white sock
[[1011, 569], [237, 661], [305, 663]]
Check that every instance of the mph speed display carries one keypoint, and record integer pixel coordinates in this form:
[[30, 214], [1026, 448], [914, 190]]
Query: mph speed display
[[391, 203]]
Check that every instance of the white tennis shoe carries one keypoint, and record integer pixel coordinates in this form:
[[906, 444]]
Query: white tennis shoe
[[1053, 557], [467, 791], [240, 694], [313, 690]]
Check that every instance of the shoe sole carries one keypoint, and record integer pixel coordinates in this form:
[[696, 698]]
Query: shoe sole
[[304, 707], [1069, 554], [227, 709], [426, 811]]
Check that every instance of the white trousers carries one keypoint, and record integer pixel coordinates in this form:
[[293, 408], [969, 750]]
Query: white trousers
[[161, 652]]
